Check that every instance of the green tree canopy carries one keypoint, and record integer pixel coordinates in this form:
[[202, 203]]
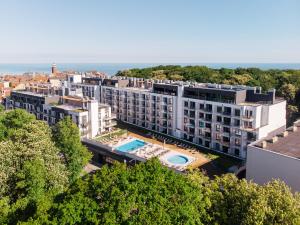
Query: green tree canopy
[[145, 194], [67, 138], [288, 91], [12, 120]]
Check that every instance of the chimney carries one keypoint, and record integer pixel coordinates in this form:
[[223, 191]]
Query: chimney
[[294, 128], [264, 144], [274, 139], [285, 133]]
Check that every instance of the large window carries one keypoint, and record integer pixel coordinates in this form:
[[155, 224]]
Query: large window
[[237, 112]]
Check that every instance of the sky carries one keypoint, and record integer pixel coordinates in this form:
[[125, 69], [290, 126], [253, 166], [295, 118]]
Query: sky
[[150, 31]]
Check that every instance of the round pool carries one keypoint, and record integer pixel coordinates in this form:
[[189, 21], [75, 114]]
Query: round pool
[[178, 159]]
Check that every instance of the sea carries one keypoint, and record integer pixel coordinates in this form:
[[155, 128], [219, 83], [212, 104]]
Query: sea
[[113, 68]]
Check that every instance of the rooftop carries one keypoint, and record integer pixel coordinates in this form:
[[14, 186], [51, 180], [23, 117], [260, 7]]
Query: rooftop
[[70, 108], [75, 98], [287, 143], [31, 93]]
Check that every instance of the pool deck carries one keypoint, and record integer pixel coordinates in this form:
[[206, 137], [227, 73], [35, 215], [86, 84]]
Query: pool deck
[[199, 161]]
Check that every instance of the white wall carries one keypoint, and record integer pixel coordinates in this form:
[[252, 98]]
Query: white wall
[[262, 166], [76, 78], [93, 118], [276, 119]]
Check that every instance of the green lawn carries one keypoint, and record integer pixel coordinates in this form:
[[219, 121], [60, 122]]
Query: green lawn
[[108, 136]]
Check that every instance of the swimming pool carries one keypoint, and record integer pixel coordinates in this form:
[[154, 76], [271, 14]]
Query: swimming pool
[[131, 146], [178, 159]]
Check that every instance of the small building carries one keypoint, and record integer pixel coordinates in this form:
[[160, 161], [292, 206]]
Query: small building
[[276, 157]]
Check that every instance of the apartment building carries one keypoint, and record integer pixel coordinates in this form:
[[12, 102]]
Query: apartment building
[[220, 117], [91, 117], [90, 87]]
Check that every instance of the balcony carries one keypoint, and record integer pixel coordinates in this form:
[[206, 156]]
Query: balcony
[[111, 124], [248, 118], [226, 143], [208, 109], [227, 113], [111, 117], [226, 134], [190, 125], [207, 129]]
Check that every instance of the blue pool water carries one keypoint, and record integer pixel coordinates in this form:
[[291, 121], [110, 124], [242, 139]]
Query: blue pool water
[[131, 146], [178, 159]]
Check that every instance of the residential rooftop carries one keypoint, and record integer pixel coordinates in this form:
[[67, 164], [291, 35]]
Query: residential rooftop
[[31, 93], [287, 143], [70, 108]]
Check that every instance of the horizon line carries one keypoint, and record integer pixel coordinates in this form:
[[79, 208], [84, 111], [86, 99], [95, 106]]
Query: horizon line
[[164, 63]]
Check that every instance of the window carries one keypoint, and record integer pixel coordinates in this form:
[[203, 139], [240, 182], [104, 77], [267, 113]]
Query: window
[[192, 105], [237, 112], [251, 136], [225, 149], [208, 107], [201, 106], [227, 110], [249, 113], [192, 114], [237, 122], [192, 122], [227, 121], [217, 146], [201, 115], [218, 136], [207, 144], [237, 141], [248, 124], [186, 104], [218, 127], [226, 129], [226, 139], [208, 117], [237, 152], [219, 109], [200, 141], [201, 124], [219, 119]]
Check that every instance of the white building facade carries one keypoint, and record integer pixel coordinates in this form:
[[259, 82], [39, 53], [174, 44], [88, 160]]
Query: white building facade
[[218, 117]]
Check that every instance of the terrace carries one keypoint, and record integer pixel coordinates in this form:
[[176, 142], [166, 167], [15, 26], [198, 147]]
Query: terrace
[[121, 142], [140, 145]]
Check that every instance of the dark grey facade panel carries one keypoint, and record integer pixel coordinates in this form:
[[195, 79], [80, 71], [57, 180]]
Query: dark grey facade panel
[[165, 89], [268, 97]]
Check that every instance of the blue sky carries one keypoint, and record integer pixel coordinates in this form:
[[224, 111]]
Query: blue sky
[[166, 31]]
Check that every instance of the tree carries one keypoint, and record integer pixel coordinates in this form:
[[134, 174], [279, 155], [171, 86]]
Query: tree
[[33, 141], [67, 138], [148, 193], [288, 91], [2, 108], [238, 202], [12, 120], [17, 118], [31, 172]]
